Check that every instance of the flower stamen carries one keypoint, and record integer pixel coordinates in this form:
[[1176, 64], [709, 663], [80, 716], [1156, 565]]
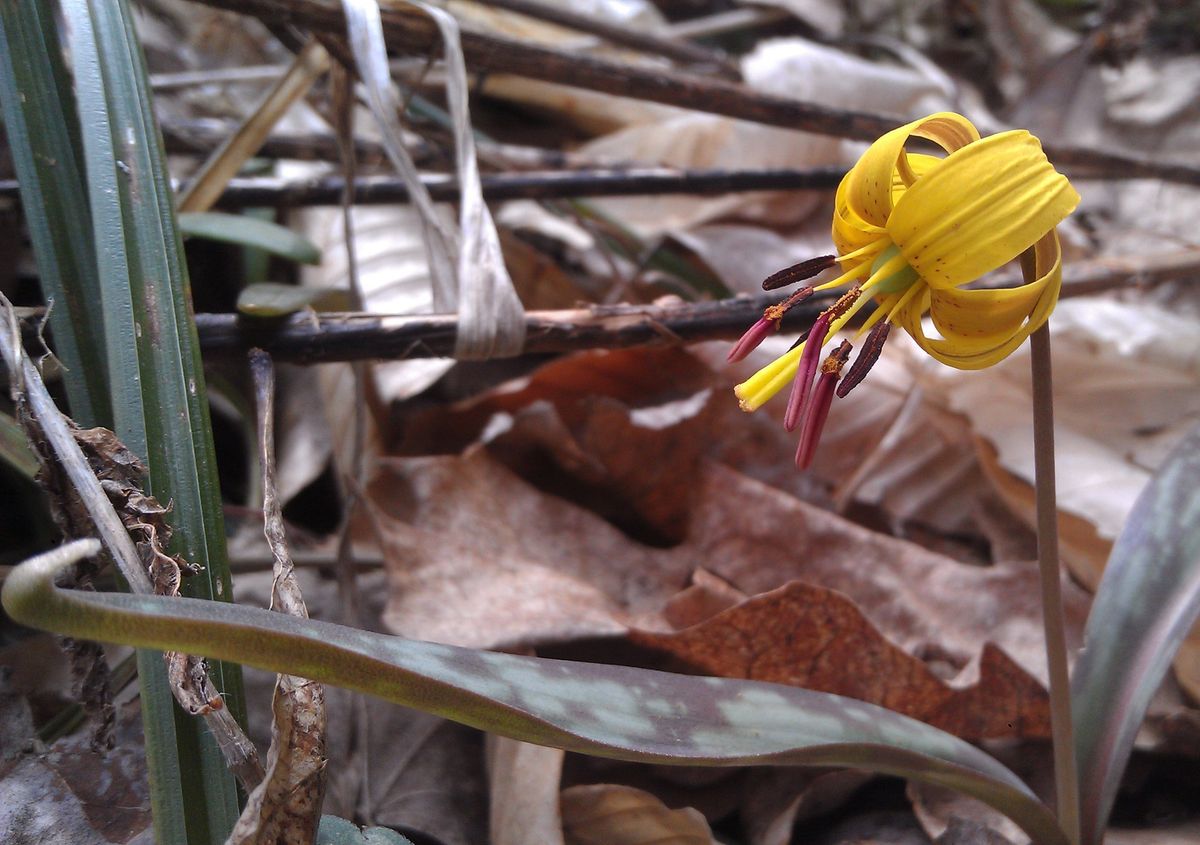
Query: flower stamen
[[798, 272], [865, 360], [806, 371], [767, 323], [818, 413]]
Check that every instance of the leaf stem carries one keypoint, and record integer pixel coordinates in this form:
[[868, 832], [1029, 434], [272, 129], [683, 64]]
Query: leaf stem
[[1066, 776]]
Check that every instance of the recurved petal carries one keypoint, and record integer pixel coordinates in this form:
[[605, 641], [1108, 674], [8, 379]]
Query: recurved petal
[[980, 338], [869, 183], [981, 207]]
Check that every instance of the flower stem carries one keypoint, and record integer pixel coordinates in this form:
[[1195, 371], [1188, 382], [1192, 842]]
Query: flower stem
[[1066, 776]]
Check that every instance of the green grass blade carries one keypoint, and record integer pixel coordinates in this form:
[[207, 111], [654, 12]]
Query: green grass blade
[[159, 406], [43, 135], [1147, 602], [610, 711]]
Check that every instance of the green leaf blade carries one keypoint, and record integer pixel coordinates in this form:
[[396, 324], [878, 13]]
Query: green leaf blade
[[1147, 602], [610, 711], [153, 366], [43, 133], [243, 230]]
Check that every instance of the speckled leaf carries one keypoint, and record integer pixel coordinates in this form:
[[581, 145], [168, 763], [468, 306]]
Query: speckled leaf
[[609, 711], [1146, 603], [338, 831]]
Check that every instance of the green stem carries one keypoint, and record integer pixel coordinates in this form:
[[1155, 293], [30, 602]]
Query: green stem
[[1066, 776]]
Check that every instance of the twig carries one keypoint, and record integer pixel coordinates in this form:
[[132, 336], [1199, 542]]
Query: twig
[[191, 137], [356, 337], [734, 20], [1066, 777], [651, 43], [225, 161], [408, 29], [560, 184]]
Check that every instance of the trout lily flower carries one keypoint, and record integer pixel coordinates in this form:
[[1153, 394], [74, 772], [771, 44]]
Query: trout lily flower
[[910, 231]]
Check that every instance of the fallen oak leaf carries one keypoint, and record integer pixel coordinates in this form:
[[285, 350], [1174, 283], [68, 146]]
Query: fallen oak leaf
[[813, 637]]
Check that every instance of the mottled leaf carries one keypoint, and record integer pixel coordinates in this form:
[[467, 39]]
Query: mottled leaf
[[610, 711], [338, 831], [1146, 603]]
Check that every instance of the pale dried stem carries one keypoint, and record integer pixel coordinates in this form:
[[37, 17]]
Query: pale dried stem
[[1066, 776]]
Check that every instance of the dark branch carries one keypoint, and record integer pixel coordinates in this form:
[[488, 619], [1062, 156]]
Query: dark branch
[[355, 337], [525, 185], [358, 337], [409, 30], [655, 45]]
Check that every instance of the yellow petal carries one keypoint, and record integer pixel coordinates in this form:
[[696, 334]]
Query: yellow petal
[[869, 182], [978, 209], [983, 337]]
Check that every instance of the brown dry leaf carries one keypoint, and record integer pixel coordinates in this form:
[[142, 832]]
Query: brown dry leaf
[[809, 636], [480, 556], [707, 596], [286, 807], [523, 801], [638, 378], [71, 793], [609, 814]]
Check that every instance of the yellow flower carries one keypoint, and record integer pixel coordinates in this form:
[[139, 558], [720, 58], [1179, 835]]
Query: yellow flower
[[911, 230]]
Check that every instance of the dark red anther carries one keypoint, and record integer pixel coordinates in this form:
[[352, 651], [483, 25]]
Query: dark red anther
[[776, 312], [798, 272], [818, 411], [805, 372], [866, 358]]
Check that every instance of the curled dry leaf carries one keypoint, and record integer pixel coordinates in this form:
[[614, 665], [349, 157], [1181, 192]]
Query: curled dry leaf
[[816, 638], [940, 810], [608, 814]]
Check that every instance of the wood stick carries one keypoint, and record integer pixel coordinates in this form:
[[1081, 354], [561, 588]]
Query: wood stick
[[408, 29], [555, 184], [647, 42], [304, 338]]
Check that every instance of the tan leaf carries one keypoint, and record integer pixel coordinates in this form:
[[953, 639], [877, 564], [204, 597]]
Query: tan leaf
[[607, 814], [809, 636], [524, 783]]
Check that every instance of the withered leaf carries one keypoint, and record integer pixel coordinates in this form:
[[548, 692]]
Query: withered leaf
[[813, 637], [611, 814]]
